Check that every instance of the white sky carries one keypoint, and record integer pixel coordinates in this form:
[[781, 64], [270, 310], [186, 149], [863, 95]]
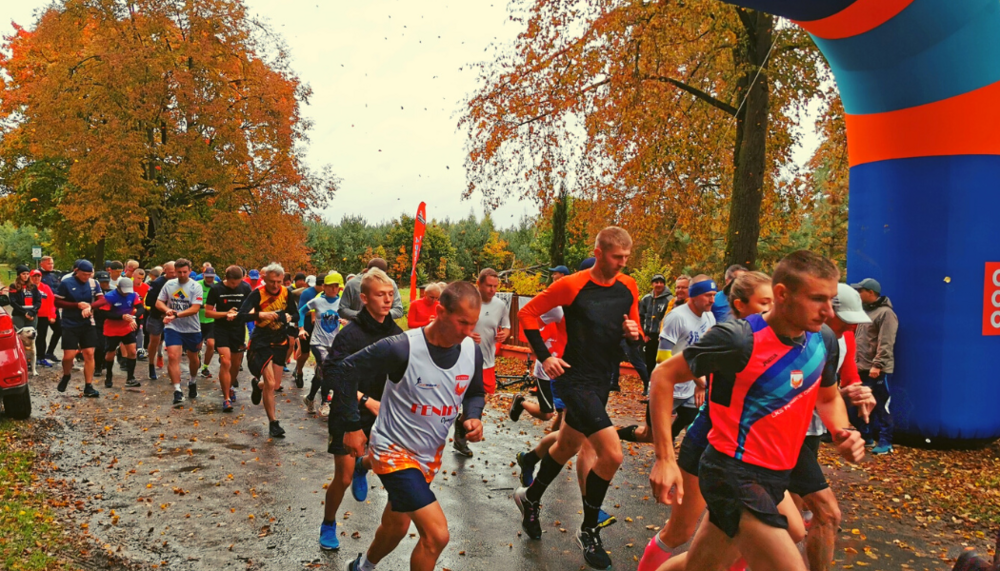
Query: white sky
[[388, 80]]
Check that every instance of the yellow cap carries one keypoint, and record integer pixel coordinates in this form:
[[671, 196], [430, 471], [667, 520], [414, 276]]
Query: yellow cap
[[334, 278]]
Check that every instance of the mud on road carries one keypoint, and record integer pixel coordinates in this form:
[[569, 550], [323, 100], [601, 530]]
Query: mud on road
[[196, 488]]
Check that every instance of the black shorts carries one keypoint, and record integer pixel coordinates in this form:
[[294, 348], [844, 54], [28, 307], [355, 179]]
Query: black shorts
[[585, 407], [110, 343], [260, 357], [545, 402], [731, 487], [807, 475], [408, 490], [208, 331], [335, 440], [79, 337], [232, 338]]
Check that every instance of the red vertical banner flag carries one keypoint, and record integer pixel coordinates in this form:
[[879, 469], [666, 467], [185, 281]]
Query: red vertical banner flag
[[418, 240]]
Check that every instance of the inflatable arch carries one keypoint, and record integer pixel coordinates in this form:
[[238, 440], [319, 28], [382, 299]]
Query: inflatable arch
[[920, 83]]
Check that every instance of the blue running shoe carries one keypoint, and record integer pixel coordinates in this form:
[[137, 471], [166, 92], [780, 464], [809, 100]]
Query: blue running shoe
[[527, 470], [359, 483], [328, 540], [882, 449], [604, 519]]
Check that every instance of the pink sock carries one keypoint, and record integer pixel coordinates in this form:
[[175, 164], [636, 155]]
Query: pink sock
[[740, 565], [656, 554]]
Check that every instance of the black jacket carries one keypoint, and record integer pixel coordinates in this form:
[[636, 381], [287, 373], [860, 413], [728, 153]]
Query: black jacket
[[25, 301]]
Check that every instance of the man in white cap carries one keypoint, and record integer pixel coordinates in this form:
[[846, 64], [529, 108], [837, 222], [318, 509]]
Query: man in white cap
[[119, 308]]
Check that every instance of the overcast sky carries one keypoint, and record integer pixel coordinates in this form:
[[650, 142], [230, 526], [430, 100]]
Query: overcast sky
[[388, 80]]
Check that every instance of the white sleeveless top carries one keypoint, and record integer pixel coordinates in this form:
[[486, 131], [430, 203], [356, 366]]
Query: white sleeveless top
[[416, 413]]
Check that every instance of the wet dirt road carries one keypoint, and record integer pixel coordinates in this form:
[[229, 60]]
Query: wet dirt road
[[194, 488]]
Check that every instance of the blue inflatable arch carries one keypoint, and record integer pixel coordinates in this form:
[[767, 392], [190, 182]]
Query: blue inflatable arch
[[920, 83]]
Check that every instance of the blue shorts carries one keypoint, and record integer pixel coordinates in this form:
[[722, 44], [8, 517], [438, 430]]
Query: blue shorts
[[408, 490], [191, 342], [557, 403]]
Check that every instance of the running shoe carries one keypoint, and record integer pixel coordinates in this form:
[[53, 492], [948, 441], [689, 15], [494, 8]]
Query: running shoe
[[882, 449], [310, 404], [178, 399], [527, 475], [140, 355], [461, 446], [653, 556], [45, 363], [324, 410], [63, 383], [256, 394], [356, 564], [108, 382], [152, 374], [132, 384], [192, 389], [51, 357], [359, 482], [594, 553], [299, 381], [279, 390], [90, 392], [159, 361], [529, 513], [236, 382], [232, 394], [205, 373], [516, 408], [227, 406], [604, 519], [328, 540], [869, 443], [275, 430], [285, 369]]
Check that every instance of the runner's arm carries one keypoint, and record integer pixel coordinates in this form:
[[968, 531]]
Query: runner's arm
[[248, 311], [475, 396], [560, 293], [385, 358]]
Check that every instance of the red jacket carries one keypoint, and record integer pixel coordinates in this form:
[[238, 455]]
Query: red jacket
[[48, 308], [420, 313]]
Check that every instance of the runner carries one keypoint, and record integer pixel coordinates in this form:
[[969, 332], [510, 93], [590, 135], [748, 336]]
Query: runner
[[46, 316], [79, 334], [601, 305], [104, 279], [154, 317], [223, 304], [369, 326], [305, 293], [682, 327], [323, 313], [180, 300], [492, 329], [116, 269], [769, 374], [119, 306], [208, 279], [272, 309], [141, 288], [430, 372]]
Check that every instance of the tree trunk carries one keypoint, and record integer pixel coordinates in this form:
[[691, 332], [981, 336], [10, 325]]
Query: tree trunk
[[99, 255], [557, 250], [752, 126]]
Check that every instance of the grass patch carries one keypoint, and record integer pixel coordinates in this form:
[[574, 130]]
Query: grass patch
[[30, 535]]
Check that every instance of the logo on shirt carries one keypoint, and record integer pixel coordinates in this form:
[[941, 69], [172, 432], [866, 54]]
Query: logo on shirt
[[796, 379], [426, 386], [461, 385], [179, 294]]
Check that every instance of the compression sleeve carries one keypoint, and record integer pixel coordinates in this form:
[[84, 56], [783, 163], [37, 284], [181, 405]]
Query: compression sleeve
[[849, 370], [248, 310], [475, 396], [560, 293]]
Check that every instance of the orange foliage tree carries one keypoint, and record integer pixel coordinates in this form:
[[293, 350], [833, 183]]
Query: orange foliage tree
[[157, 128], [674, 118]]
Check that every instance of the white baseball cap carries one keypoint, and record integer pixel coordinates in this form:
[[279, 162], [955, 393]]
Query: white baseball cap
[[125, 284], [847, 305]]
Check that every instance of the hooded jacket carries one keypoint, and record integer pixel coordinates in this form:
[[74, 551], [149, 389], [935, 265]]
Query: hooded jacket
[[876, 340], [651, 311]]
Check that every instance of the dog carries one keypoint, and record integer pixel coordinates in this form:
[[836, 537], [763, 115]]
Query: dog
[[27, 336]]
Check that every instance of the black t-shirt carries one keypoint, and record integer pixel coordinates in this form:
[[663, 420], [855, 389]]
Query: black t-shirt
[[154, 292], [225, 298]]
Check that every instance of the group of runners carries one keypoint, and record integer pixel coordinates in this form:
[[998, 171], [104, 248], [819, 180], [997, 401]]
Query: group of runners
[[745, 392]]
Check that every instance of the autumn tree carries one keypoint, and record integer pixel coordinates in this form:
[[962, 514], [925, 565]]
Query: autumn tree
[[675, 118], [156, 128], [401, 267], [557, 249]]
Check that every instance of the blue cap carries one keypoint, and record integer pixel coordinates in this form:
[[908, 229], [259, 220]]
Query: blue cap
[[561, 269], [209, 271], [85, 266], [588, 263], [254, 275]]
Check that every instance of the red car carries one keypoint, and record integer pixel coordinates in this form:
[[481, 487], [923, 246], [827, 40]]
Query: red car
[[13, 368]]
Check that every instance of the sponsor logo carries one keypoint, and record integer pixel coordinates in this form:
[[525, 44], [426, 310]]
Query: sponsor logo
[[796, 379], [431, 410], [770, 359], [457, 378]]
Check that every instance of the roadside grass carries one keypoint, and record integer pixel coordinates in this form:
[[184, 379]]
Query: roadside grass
[[30, 533]]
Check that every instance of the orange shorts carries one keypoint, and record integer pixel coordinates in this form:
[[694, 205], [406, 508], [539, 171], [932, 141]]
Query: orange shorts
[[490, 380]]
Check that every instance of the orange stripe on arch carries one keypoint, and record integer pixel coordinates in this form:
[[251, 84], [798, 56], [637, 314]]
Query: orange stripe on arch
[[858, 18], [966, 124]]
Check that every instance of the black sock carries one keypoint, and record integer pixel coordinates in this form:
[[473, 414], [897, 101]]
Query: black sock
[[152, 366], [531, 458], [597, 488], [627, 433], [64, 378], [108, 365], [130, 368], [548, 472], [327, 522]]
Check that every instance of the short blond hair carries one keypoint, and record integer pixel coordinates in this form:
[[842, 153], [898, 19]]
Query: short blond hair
[[433, 288], [372, 277], [613, 236]]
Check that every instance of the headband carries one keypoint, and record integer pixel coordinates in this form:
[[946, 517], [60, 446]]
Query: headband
[[701, 288]]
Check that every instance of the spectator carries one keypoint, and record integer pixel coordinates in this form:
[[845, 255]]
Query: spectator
[[652, 308], [720, 308], [422, 311], [46, 315], [875, 362], [681, 285], [24, 300], [51, 278], [350, 299]]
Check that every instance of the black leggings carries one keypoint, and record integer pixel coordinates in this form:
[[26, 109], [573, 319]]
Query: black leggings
[[41, 330], [56, 336]]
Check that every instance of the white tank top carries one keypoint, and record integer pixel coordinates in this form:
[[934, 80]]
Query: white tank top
[[416, 413]]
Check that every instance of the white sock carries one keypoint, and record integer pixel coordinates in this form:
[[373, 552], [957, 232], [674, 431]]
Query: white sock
[[661, 545], [177, 386], [193, 381], [367, 565]]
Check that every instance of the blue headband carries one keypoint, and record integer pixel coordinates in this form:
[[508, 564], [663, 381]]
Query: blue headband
[[702, 288]]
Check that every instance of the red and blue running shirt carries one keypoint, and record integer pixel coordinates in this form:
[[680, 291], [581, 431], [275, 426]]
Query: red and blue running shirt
[[594, 316], [763, 388]]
